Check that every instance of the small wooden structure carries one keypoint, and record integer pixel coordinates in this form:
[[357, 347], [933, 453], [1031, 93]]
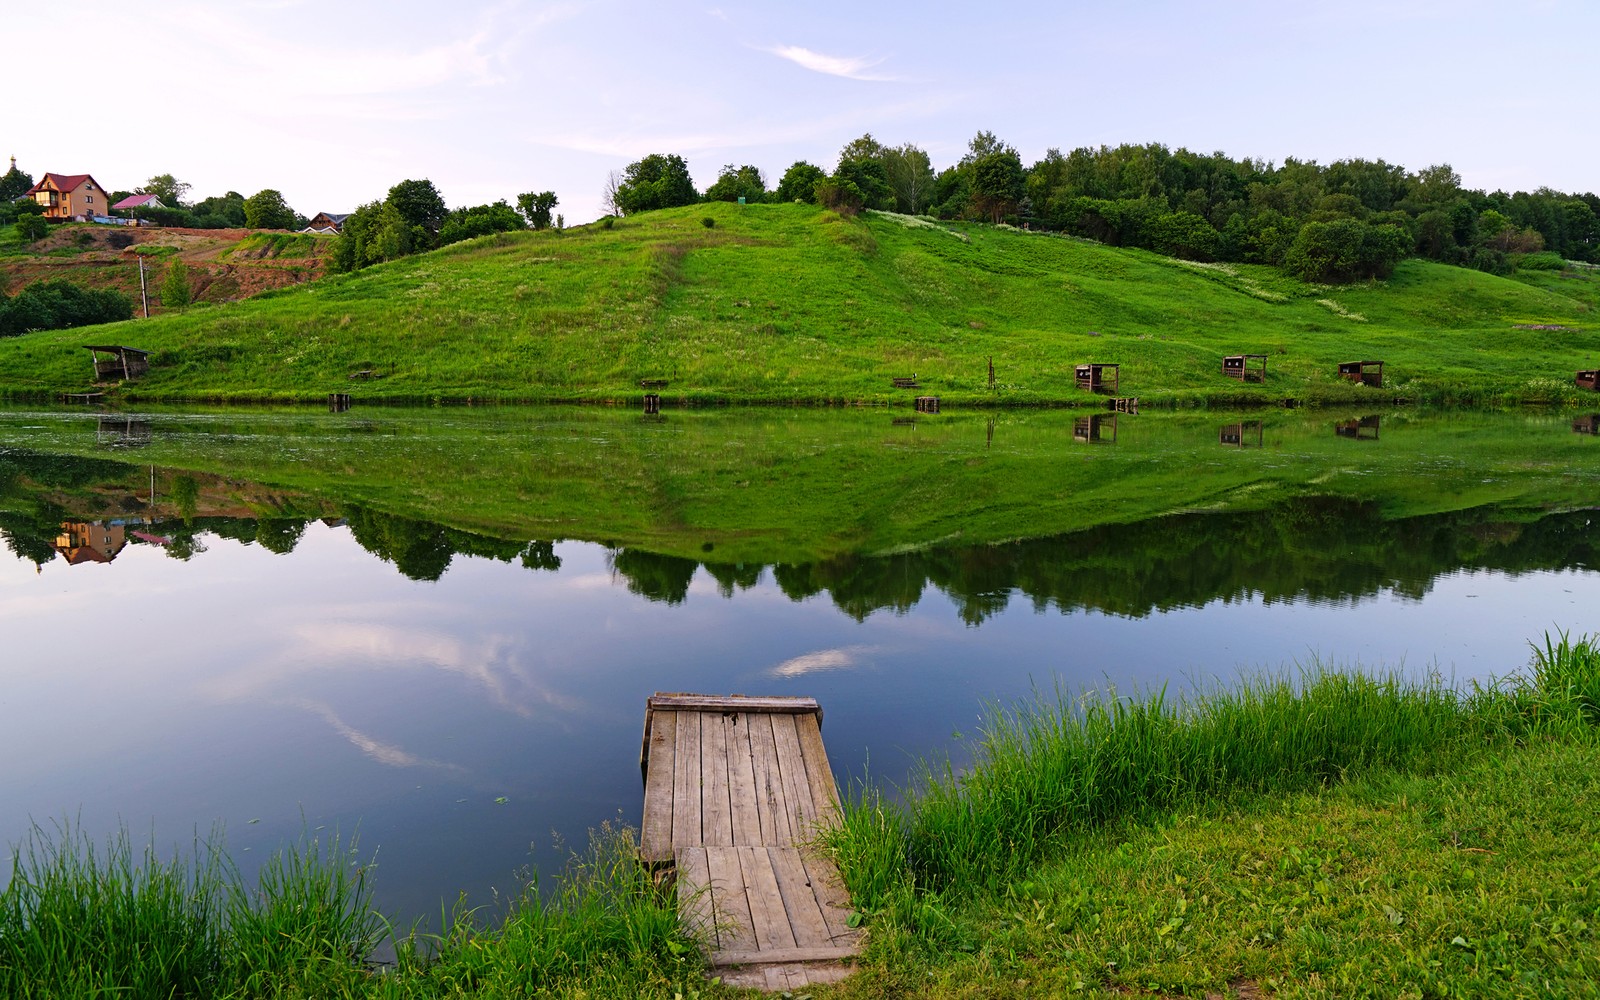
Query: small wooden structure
[[1098, 428], [338, 402], [927, 404], [1123, 404], [1245, 367], [1589, 379], [652, 402], [905, 382], [118, 363], [83, 397], [1364, 372], [1587, 425], [1244, 434], [735, 788], [1092, 376], [1365, 429], [652, 383]]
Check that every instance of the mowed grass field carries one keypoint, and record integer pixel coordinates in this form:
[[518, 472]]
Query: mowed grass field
[[788, 303]]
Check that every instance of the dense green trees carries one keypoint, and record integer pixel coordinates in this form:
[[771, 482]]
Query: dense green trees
[[266, 209], [14, 183], [799, 183], [58, 305], [657, 181], [481, 220], [734, 183]]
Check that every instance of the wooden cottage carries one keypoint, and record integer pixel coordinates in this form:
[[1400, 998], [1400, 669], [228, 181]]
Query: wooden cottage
[[118, 363], [1587, 425], [1365, 372], [327, 223], [1589, 380], [1093, 376], [1245, 367]]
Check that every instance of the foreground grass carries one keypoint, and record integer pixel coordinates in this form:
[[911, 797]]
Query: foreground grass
[[1349, 837], [787, 303]]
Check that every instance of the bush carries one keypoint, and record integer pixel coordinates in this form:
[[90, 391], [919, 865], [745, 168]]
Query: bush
[[708, 222], [58, 305], [842, 196], [608, 222], [1345, 250], [1546, 261], [31, 227]]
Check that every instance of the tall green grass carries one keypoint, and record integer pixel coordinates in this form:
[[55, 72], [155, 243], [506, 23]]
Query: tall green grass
[[79, 919], [1046, 771]]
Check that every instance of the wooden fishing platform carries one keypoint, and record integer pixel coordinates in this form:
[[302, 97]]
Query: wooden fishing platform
[[735, 790]]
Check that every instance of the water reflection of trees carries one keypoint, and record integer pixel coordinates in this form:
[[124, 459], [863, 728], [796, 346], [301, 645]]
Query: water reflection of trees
[[1317, 548], [1322, 549]]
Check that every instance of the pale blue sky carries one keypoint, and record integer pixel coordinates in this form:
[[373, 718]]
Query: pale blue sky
[[332, 102]]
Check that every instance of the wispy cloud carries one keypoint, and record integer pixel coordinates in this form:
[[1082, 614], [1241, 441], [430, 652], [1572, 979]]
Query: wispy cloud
[[822, 661], [849, 67], [372, 747]]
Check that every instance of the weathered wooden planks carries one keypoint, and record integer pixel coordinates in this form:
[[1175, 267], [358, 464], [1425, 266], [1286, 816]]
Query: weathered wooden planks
[[735, 789]]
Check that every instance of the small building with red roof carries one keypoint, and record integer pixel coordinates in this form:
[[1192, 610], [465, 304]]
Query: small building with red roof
[[70, 196]]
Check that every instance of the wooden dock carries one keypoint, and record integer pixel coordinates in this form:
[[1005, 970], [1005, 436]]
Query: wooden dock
[[735, 790]]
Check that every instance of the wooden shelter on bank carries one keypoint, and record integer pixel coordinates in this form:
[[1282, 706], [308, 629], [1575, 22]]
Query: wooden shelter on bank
[[117, 363], [1245, 367], [1093, 376], [1589, 379], [1365, 372]]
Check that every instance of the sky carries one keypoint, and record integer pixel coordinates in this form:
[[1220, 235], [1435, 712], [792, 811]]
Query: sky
[[331, 102]]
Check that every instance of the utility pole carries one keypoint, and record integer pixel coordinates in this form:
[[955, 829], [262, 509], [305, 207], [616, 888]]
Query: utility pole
[[142, 293]]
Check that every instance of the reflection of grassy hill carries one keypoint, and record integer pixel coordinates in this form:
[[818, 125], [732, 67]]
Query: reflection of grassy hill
[[786, 303], [802, 485]]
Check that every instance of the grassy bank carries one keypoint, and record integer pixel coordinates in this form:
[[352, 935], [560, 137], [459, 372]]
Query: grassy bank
[[786, 303], [1342, 837]]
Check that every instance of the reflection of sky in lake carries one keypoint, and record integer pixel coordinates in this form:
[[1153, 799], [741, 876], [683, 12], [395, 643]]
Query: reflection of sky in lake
[[323, 688]]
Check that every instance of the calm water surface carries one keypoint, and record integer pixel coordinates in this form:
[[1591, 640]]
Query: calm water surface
[[464, 722]]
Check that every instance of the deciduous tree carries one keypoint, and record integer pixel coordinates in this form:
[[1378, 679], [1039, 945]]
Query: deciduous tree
[[799, 183], [175, 291], [266, 209], [657, 181], [168, 188], [536, 207]]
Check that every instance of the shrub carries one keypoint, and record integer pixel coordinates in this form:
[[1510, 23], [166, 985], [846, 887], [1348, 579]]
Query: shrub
[[708, 222], [608, 222], [57, 305], [1546, 261]]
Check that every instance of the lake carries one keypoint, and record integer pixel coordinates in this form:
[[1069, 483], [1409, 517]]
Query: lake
[[436, 628]]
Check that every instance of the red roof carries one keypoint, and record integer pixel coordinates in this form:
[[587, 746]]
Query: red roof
[[136, 201], [63, 182]]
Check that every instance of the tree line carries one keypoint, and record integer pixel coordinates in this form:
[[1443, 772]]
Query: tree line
[[1344, 221], [413, 218]]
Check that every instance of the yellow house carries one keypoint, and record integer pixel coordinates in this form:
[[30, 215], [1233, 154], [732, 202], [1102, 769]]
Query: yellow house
[[70, 196]]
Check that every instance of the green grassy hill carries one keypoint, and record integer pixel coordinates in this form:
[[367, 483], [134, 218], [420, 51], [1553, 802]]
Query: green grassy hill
[[787, 303]]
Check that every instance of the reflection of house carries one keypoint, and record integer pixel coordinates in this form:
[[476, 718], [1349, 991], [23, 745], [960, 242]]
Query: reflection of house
[[70, 196], [326, 222], [91, 541]]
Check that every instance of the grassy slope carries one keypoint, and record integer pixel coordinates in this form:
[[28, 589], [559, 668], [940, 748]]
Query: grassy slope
[[787, 303]]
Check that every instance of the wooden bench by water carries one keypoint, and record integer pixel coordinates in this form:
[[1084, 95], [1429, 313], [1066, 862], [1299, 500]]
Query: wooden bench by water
[[735, 788]]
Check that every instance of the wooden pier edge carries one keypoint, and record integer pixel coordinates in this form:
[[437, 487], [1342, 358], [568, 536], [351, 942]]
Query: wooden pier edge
[[736, 789]]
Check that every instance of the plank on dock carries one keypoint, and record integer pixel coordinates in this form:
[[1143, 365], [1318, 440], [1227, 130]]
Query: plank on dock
[[735, 790]]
